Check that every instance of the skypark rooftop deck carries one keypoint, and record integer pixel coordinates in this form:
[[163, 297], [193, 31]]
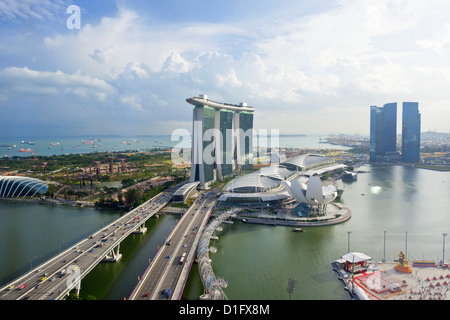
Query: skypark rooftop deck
[[203, 101]]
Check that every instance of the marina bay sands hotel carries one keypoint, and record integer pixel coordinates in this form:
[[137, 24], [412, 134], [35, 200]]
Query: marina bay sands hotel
[[222, 139]]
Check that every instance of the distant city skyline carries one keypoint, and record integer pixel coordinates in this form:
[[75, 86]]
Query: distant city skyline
[[308, 67]]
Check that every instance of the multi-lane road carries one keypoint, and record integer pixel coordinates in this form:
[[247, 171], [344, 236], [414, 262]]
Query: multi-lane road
[[167, 272], [56, 277]]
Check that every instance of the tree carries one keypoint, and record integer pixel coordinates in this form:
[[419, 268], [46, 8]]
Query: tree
[[133, 196]]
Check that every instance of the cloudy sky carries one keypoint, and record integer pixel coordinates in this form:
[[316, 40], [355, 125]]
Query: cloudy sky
[[310, 67]]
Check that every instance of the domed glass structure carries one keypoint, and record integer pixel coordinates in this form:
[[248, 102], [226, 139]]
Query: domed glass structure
[[20, 187]]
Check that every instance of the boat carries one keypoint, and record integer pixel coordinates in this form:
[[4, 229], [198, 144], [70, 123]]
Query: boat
[[26, 150], [298, 230], [349, 176], [424, 263]]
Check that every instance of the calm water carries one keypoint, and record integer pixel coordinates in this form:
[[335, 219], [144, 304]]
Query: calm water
[[256, 260], [31, 233]]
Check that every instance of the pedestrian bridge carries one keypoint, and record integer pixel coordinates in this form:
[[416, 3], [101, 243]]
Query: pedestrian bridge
[[213, 286]]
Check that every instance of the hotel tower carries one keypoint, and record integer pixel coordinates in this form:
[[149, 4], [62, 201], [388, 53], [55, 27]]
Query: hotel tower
[[222, 139]]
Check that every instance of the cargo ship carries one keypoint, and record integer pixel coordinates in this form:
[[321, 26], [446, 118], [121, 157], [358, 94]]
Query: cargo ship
[[26, 150]]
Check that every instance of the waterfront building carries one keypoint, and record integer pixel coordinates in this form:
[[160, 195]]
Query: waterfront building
[[246, 150], [21, 187], [222, 139], [311, 192], [383, 131], [226, 123], [411, 119], [265, 187]]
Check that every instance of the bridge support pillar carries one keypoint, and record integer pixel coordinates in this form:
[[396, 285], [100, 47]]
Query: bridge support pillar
[[141, 230], [114, 255]]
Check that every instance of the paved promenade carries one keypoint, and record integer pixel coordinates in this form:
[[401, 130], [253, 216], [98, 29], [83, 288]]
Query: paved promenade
[[336, 213]]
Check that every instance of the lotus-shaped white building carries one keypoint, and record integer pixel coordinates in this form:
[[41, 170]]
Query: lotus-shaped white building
[[311, 192]]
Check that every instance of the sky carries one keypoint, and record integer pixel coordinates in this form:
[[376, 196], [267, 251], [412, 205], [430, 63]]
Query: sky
[[309, 67]]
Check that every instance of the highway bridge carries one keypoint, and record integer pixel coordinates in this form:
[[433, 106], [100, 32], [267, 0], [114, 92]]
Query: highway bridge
[[55, 278], [167, 273]]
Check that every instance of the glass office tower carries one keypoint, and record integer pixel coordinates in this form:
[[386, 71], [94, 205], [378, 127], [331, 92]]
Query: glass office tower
[[383, 130], [390, 127], [411, 119], [376, 129]]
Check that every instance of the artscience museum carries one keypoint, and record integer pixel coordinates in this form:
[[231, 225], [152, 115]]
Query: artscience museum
[[311, 192]]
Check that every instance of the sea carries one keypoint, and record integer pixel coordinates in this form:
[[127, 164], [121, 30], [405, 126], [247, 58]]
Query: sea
[[10, 147]]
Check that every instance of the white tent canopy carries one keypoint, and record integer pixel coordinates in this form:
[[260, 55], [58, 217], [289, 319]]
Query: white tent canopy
[[356, 257]]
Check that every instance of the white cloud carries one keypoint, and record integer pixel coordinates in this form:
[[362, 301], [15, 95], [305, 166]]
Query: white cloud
[[29, 9], [20, 81]]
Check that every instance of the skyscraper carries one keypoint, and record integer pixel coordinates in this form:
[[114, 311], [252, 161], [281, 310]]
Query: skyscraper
[[383, 130], [222, 139], [226, 123], [411, 119]]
